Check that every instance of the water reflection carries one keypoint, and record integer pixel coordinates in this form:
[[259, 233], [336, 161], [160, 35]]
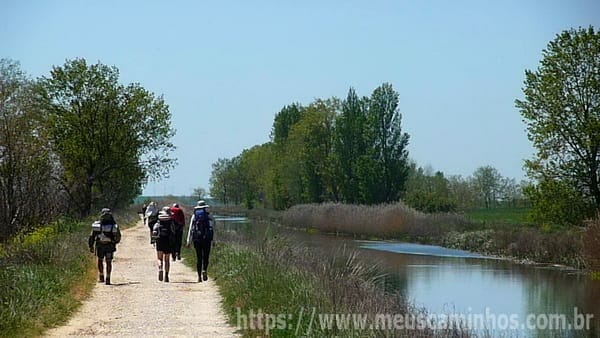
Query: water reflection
[[454, 281]]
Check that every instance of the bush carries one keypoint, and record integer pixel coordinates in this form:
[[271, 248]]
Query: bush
[[591, 245], [555, 202]]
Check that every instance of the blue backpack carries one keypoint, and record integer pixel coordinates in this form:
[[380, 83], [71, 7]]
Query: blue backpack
[[202, 228]]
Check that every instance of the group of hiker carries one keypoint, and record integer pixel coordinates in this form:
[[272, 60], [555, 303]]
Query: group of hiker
[[166, 228]]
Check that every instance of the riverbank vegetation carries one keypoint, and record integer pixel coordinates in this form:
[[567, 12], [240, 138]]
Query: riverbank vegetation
[[45, 274], [353, 153], [271, 274], [397, 221]]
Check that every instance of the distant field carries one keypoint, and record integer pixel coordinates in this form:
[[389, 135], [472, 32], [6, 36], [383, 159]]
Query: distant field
[[500, 215]]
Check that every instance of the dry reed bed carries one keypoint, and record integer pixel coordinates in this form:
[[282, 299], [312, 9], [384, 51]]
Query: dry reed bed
[[382, 221]]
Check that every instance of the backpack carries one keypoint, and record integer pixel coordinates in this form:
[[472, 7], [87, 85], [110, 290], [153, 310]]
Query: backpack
[[164, 229], [106, 235], [202, 228]]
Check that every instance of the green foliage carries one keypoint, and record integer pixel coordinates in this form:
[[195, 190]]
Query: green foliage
[[109, 138], [487, 179], [311, 140], [227, 181], [283, 122], [327, 151], [556, 202], [387, 146], [350, 145], [428, 193], [25, 160], [562, 113]]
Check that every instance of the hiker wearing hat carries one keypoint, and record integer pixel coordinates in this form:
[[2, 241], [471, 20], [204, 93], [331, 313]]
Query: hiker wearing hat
[[162, 234], [178, 224], [104, 239], [201, 233]]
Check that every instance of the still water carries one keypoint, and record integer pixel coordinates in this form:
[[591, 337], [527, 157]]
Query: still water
[[445, 281]]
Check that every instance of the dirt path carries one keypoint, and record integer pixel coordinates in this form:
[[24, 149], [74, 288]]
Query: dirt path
[[137, 304]]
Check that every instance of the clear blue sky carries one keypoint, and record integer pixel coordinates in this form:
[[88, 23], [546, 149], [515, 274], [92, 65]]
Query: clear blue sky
[[232, 65]]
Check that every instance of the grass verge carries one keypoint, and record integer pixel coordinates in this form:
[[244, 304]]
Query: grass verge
[[44, 276], [296, 286]]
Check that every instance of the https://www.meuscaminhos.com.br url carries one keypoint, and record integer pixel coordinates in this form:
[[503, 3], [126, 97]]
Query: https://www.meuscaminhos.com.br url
[[307, 320]]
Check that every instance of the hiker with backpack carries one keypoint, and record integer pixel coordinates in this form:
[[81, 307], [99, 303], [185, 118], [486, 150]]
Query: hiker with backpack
[[179, 222], [162, 234], [201, 233], [104, 239], [151, 217]]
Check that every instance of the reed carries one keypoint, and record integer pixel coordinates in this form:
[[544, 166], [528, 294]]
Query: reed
[[384, 221], [591, 246]]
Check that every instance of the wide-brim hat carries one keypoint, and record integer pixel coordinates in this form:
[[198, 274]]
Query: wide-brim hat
[[201, 204], [164, 216]]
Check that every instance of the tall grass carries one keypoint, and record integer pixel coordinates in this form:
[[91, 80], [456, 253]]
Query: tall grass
[[381, 221], [397, 221], [275, 276], [591, 246], [45, 274]]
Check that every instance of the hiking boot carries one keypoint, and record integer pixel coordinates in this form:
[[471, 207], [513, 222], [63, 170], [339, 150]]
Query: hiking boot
[[166, 277], [101, 279], [107, 280], [160, 275], [204, 276], [199, 278], [179, 256], [174, 257]]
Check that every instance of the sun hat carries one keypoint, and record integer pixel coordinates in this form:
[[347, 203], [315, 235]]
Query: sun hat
[[164, 216], [201, 204]]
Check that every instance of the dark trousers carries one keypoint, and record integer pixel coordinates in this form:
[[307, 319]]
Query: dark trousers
[[202, 253], [177, 237]]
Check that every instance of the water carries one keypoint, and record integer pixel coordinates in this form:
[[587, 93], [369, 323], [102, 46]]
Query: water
[[446, 282]]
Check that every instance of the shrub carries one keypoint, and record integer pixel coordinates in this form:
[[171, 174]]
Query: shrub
[[591, 245]]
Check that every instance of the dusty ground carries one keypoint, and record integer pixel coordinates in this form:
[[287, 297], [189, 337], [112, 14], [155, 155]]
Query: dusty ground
[[137, 304]]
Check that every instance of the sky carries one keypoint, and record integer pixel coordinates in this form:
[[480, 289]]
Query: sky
[[230, 66]]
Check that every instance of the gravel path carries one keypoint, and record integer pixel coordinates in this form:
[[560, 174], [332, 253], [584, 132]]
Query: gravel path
[[137, 304]]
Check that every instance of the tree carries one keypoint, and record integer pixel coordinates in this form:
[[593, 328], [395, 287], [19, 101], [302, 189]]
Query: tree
[[387, 165], [109, 139], [311, 140], [349, 144], [561, 109], [28, 195], [556, 202], [464, 192], [199, 192], [226, 181], [283, 122], [428, 192], [488, 182]]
